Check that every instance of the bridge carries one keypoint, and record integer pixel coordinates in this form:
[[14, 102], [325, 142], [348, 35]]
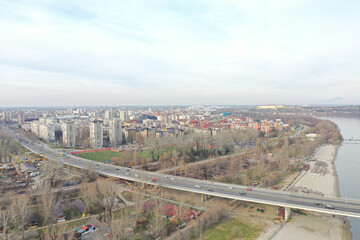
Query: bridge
[[351, 140], [203, 108], [342, 207]]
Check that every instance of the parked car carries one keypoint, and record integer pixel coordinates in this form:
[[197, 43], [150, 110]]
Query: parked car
[[87, 229]]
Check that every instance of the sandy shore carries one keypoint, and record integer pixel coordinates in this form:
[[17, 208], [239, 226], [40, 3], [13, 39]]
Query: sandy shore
[[320, 180]]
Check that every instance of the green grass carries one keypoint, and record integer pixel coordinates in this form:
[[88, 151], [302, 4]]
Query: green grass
[[21, 149], [232, 229], [100, 156], [146, 154]]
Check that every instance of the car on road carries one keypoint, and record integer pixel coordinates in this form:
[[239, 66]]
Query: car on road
[[318, 203], [210, 190], [243, 193], [117, 168], [230, 188], [154, 179], [329, 207], [248, 189], [198, 186], [136, 175], [127, 174], [172, 179]]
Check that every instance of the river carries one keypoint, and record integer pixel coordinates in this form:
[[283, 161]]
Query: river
[[347, 164]]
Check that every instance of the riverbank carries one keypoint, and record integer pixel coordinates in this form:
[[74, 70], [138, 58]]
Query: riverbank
[[320, 180]]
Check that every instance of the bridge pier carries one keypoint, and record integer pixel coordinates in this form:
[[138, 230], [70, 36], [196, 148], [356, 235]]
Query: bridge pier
[[204, 197], [287, 213]]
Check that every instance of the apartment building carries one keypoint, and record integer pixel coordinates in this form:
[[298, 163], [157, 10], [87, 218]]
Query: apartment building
[[68, 133], [96, 133], [115, 132], [47, 132], [124, 115]]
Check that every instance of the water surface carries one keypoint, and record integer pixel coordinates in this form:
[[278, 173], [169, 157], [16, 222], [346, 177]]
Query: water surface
[[347, 164]]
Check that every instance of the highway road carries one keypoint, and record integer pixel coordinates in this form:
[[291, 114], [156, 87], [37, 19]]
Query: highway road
[[342, 207]]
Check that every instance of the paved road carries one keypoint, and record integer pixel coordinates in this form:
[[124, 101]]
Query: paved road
[[257, 195]]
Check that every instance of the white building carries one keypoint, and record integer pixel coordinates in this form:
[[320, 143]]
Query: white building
[[108, 114], [35, 128], [68, 133], [123, 115], [47, 132], [115, 132], [96, 133]]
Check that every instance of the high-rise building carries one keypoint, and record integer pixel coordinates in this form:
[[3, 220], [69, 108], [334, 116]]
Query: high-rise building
[[21, 118], [96, 133], [47, 132], [68, 133], [108, 114], [123, 115], [115, 132], [35, 128]]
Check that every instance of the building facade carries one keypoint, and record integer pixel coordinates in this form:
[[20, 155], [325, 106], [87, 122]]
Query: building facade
[[124, 115], [115, 132], [68, 133], [96, 133], [47, 132]]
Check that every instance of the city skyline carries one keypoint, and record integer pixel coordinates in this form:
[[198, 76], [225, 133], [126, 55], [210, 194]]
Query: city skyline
[[206, 52]]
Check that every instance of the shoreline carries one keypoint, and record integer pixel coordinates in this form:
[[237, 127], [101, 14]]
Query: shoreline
[[336, 180], [322, 180], [347, 226]]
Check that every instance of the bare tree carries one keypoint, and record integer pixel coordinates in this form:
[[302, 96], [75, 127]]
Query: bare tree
[[101, 194], [53, 172], [57, 232], [88, 194], [92, 174], [122, 228], [21, 211], [5, 220], [106, 197], [47, 203], [158, 220]]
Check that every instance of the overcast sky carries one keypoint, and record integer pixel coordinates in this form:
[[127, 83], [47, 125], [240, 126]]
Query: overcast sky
[[69, 53]]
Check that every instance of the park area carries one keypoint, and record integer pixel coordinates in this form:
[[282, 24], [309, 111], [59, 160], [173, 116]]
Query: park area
[[106, 155], [99, 156], [229, 229]]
